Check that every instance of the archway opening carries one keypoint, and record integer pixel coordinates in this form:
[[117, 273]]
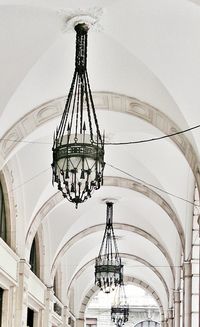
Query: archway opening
[[142, 308]]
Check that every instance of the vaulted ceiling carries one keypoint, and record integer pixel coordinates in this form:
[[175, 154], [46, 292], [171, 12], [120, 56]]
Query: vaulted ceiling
[[144, 70]]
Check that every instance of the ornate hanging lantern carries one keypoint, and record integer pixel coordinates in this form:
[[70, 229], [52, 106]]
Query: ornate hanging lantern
[[78, 147], [120, 308], [108, 267]]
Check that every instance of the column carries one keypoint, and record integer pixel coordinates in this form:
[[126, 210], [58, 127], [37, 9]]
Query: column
[[48, 307], [165, 323], [170, 317], [79, 322], [22, 294], [177, 308], [187, 293], [162, 320], [39, 318], [65, 317], [8, 309], [11, 311]]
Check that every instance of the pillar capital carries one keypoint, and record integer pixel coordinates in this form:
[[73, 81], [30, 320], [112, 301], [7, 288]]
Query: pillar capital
[[176, 296], [50, 291], [24, 268], [187, 268], [170, 313]]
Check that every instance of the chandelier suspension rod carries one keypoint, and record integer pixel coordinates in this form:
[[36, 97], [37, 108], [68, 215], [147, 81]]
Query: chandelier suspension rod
[[66, 111], [89, 114], [104, 236], [93, 108]]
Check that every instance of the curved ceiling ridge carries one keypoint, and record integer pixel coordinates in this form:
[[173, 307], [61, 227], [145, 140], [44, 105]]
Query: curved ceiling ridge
[[104, 101], [123, 255], [57, 198], [121, 226], [127, 279]]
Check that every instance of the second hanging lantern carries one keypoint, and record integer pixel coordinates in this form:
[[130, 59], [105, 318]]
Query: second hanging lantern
[[108, 266]]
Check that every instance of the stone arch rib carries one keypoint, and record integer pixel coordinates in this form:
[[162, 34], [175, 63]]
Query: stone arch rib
[[123, 255], [108, 181], [105, 101], [96, 228], [127, 279]]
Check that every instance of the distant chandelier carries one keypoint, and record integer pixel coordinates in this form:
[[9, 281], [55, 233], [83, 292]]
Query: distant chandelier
[[108, 267], [120, 307], [78, 147]]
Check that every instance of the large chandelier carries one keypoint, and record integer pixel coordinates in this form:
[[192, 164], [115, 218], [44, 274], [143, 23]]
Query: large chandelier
[[108, 267], [78, 146], [120, 307]]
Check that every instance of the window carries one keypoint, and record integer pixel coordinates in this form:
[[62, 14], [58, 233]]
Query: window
[[30, 317], [34, 257], [55, 285], [3, 231], [148, 323], [70, 322]]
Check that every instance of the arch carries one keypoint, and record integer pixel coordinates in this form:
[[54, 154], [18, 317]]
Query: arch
[[105, 101], [108, 181], [127, 279], [120, 226], [123, 255]]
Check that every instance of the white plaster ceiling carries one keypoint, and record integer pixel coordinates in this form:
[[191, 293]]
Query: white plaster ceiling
[[148, 50]]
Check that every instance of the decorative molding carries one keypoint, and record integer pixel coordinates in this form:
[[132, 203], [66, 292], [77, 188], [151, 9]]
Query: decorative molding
[[148, 192], [112, 181], [127, 279], [108, 181], [120, 226], [90, 16], [103, 101], [123, 255]]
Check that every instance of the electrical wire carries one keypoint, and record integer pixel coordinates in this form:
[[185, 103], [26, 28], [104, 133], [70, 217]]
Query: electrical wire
[[116, 143], [151, 185], [124, 172], [119, 143], [23, 141], [153, 139], [32, 178]]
